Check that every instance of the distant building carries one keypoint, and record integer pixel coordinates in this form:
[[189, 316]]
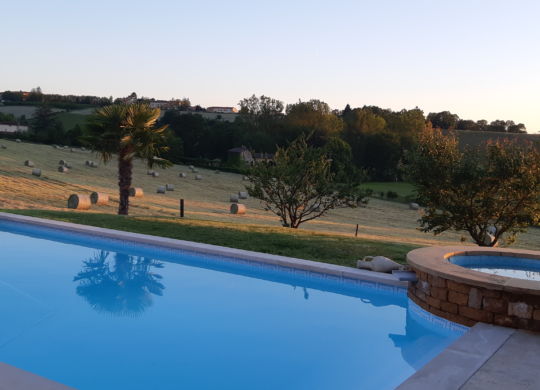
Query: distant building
[[5, 128], [240, 154], [222, 110], [263, 156]]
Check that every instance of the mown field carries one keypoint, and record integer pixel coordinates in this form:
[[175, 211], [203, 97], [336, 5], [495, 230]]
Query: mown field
[[207, 204]]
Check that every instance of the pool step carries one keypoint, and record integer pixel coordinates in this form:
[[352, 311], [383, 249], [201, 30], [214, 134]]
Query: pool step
[[405, 276]]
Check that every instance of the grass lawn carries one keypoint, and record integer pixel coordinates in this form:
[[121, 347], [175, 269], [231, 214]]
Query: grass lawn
[[280, 241], [70, 120]]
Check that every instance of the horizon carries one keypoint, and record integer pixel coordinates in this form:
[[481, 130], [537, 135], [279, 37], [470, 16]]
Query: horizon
[[469, 59]]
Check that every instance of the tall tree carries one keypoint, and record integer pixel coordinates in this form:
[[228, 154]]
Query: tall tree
[[129, 131]]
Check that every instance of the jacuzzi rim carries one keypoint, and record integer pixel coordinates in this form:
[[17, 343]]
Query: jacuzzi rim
[[435, 261]]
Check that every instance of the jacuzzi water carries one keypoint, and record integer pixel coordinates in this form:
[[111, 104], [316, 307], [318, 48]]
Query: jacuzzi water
[[95, 313], [513, 267]]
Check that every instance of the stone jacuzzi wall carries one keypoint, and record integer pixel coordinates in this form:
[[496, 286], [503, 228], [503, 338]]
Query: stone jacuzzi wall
[[467, 297]]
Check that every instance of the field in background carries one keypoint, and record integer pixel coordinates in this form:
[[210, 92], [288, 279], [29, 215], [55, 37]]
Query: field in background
[[206, 200]]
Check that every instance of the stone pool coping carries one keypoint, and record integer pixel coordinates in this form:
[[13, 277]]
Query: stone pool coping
[[434, 260], [171, 243]]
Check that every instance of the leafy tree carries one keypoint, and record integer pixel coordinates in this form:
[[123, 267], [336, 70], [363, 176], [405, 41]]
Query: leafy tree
[[443, 120], [45, 127], [315, 117], [299, 186], [129, 131], [489, 191]]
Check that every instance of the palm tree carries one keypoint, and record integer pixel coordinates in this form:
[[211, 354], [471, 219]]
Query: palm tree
[[128, 131]]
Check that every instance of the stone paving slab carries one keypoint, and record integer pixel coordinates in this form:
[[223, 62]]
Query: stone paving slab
[[13, 378], [515, 366]]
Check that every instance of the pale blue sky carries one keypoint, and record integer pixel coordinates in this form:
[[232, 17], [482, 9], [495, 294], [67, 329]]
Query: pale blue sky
[[477, 58]]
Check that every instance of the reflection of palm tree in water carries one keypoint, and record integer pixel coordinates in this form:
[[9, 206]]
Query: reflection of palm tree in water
[[122, 286]]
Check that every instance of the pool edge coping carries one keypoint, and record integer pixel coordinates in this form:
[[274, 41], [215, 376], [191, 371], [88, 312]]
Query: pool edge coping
[[172, 243]]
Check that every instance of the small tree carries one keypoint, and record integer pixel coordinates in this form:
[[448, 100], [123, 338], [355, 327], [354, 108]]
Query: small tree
[[299, 186], [489, 191]]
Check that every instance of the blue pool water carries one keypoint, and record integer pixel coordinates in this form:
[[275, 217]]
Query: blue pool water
[[513, 267], [95, 313]]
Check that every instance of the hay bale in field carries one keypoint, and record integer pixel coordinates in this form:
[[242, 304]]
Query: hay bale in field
[[150, 172], [195, 170], [191, 167], [72, 150], [83, 149], [99, 198], [155, 174], [160, 190], [29, 163], [169, 187], [238, 208], [198, 177], [93, 164], [245, 178], [242, 194], [414, 206], [181, 174], [233, 198], [63, 169], [87, 163], [3, 146], [136, 192], [36, 172], [79, 202], [62, 162], [18, 140]]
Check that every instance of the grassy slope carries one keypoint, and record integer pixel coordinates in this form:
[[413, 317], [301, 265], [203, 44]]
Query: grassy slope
[[300, 243], [70, 120]]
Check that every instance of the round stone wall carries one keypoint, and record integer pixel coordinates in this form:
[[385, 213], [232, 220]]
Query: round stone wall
[[466, 296]]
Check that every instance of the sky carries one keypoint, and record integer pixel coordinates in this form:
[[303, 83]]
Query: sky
[[479, 59]]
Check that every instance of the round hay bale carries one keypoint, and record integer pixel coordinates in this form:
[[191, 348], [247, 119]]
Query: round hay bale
[[136, 192], [29, 163], [99, 198], [198, 177], [36, 172], [3, 146], [93, 164], [414, 206], [155, 174], [181, 174], [150, 172], [63, 169], [18, 141], [233, 198], [79, 202], [62, 162], [83, 149], [238, 208], [160, 190], [245, 178], [87, 163], [169, 187], [195, 170], [242, 194], [191, 167], [72, 150]]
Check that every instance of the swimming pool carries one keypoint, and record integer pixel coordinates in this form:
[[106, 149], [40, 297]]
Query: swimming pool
[[98, 313], [509, 266]]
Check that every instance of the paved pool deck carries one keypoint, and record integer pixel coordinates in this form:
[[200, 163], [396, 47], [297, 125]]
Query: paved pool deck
[[487, 357]]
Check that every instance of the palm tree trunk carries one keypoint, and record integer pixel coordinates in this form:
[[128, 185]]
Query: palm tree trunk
[[125, 167]]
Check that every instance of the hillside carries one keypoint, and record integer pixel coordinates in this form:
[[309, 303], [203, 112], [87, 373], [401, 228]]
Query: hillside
[[207, 199]]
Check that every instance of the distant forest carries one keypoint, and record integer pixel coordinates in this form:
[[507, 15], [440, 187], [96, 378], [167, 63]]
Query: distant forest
[[366, 140]]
